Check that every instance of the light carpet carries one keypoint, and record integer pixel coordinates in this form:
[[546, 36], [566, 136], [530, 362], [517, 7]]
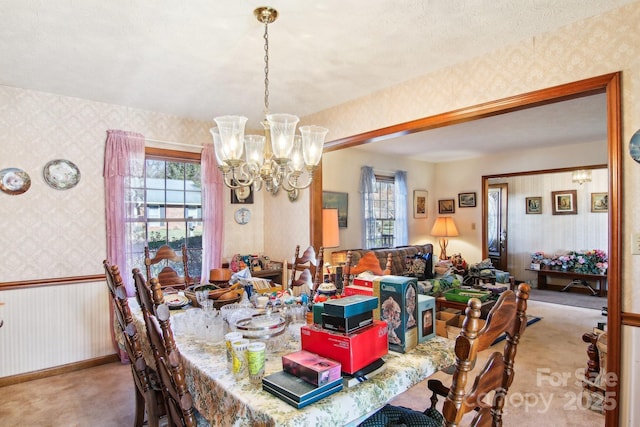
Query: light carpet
[[568, 298]]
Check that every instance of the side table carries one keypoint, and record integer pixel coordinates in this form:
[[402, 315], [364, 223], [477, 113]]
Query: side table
[[442, 302]]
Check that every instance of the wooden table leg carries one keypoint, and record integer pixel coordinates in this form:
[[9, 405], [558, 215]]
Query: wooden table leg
[[542, 280]]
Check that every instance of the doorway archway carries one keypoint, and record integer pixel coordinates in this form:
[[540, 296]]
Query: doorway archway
[[608, 84]]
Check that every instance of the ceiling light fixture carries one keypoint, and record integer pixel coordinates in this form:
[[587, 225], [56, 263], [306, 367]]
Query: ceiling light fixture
[[279, 159], [581, 176]]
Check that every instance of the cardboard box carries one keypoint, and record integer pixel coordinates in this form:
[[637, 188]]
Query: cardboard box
[[350, 306], [353, 351], [399, 308], [312, 368], [454, 328], [366, 282], [357, 290], [444, 319], [347, 324], [318, 309], [426, 317]]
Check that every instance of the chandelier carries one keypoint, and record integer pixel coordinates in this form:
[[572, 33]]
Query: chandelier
[[277, 159], [581, 176]]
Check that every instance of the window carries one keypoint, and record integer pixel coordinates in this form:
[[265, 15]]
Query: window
[[381, 233], [165, 208]]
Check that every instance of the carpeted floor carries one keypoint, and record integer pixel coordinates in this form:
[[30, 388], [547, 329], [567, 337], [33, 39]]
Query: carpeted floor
[[568, 298]]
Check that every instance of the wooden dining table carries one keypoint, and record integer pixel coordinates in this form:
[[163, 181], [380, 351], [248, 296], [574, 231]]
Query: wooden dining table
[[225, 401]]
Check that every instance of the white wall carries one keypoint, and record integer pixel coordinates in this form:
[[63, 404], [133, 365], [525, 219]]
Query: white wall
[[552, 233]]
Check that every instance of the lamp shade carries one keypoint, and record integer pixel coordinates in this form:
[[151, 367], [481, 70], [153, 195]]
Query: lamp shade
[[330, 229], [444, 227]]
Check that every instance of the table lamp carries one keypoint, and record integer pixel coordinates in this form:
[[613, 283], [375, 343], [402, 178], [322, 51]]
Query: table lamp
[[330, 229], [444, 227]]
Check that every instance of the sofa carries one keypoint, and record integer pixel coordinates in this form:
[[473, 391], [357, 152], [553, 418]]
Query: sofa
[[398, 256]]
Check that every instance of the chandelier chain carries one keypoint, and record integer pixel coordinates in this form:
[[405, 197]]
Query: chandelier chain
[[266, 68]]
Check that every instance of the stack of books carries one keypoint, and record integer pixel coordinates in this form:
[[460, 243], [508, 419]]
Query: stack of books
[[305, 378]]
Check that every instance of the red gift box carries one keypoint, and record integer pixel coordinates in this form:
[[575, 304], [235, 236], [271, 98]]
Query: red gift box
[[354, 351], [311, 367]]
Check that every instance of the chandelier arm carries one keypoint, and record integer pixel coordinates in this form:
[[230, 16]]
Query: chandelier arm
[[235, 180], [292, 182]]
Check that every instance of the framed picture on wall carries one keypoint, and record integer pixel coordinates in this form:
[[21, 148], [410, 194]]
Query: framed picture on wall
[[340, 201], [599, 202], [564, 202], [466, 200], [533, 205], [420, 199], [446, 206]]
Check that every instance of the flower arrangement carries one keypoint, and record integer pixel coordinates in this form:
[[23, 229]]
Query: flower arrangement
[[591, 262], [537, 257], [587, 262]]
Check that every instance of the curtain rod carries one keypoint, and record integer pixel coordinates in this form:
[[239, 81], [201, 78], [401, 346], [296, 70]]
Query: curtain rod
[[182, 144]]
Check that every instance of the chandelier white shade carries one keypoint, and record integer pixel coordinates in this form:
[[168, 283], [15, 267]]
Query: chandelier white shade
[[280, 158]]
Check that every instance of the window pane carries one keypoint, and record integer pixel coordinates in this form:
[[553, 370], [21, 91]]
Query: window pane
[[171, 193], [155, 173]]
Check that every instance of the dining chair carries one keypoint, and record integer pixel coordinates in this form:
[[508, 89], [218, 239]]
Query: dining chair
[[156, 314], [306, 271], [168, 276], [148, 393], [368, 262], [507, 316]]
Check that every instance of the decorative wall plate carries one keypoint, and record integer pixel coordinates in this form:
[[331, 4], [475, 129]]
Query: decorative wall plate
[[242, 216], [14, 181], [61, 174], [634, 146]]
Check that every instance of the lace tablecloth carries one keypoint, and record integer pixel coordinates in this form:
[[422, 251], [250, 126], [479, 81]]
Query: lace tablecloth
[[226, 402]]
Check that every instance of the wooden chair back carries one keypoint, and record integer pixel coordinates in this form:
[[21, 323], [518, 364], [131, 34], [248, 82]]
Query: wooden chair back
[[368, 262], [306, 268], [147, 397], [168, 276], [507, 316], [156, 313]]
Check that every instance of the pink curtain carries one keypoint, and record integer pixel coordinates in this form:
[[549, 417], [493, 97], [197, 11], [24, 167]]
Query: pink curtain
[[212, 212], [123, 160]]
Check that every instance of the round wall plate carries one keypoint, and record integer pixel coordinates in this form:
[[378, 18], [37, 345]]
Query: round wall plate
[[61, 174], [14, 181], [634, 146], [242, 216]]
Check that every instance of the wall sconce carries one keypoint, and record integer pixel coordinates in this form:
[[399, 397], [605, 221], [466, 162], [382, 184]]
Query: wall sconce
[[444, 227], [581, 176]]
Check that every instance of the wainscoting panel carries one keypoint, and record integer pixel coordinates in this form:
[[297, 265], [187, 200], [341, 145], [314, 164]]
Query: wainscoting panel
[[51, 326]]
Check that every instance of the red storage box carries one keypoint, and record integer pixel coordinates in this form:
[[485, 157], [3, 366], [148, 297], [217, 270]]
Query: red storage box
[[354, 351]]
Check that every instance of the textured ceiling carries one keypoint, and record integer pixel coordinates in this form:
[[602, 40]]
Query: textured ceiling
[[202, 59]]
